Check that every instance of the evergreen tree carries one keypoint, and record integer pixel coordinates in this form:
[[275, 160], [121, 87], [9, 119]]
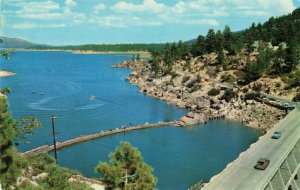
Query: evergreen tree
[[291, 59], [133, 58], [8, 167], [291, 50], [199, 47], [155, 64], [278, 61], [168, 57], [126, 170], [211, 41], [138, 57], [10, 130], [228, 39], [220, 47], [183, 50]]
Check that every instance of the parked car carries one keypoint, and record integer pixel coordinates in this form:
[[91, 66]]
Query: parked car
[[276, 135], [283, 103], [262, 164]]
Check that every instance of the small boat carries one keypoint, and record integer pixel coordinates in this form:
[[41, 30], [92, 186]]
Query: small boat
[[92, 97]]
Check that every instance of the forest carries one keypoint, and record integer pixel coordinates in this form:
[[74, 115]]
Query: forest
[[106, 47], [276, 41]]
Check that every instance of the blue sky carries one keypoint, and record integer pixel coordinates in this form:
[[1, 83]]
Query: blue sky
[[62, 22]]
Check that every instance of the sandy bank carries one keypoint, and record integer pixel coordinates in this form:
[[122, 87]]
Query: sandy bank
[[5, 74], [142, 53]]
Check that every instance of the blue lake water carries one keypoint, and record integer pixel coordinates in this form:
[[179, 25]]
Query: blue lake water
[[61, 84]]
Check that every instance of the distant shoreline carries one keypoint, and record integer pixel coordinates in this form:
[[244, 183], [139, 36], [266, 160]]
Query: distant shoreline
[[144, 54]]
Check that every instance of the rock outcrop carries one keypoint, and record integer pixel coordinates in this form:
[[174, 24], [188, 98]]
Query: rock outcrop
[[188, 88]]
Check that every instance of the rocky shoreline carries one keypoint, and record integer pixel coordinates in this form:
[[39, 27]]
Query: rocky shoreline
[[188, 89]]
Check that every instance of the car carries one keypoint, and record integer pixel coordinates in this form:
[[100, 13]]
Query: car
[[276, 135], [284, 104], [262, 164]]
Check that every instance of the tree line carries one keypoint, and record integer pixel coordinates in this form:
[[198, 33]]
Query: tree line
[[106, 47], [283, 32]]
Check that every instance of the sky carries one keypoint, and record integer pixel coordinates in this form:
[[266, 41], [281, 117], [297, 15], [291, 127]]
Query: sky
[[66, 22]]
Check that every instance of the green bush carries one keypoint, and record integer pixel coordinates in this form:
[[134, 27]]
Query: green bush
[[190, 84], [297, 97], [251, 95], [195, 88], [228, 78], [228, 95], [185, 79], [213, 92]]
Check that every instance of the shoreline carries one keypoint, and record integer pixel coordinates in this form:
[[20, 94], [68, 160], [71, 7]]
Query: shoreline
[[6, 73], [201, 106], [143, 54]]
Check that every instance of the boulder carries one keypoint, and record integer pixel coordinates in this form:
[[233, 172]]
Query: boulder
[[188, 121], [190, 115], [133, 74]]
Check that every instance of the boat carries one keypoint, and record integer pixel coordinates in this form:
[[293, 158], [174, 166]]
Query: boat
[[92, 97]]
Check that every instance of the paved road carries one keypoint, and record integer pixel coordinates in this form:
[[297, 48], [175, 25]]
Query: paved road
[[241, 175]]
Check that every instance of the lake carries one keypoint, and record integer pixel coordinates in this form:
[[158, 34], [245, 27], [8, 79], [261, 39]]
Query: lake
[[62, 84]]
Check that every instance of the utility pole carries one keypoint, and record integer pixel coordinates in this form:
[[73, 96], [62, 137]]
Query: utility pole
[[54, 138]]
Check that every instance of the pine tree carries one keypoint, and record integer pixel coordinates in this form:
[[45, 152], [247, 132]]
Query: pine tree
[[211, 41], [228, 39], [127, 170], [133, 58], [220, 47], [138, 57], [183, 50], [8, 169], [155, 64], [199, 47]]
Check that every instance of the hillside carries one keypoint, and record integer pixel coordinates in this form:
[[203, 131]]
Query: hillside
[[16, 43], [226, 74]]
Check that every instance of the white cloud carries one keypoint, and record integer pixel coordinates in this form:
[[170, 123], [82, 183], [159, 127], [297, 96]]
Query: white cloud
[[74, 16], [146, 13], [146, 6], [265, 8], [109, 21], [210, 22], [45, 10], [100, 7], [197, 12], [30, 25], [70, 3], [40, 15]]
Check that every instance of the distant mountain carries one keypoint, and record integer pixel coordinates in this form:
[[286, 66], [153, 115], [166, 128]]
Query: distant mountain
[[17, 43]]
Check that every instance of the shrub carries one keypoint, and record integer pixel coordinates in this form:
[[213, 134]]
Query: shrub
[[297, 97], [228, 78], [185, 78], [228, 95], [246, 89], [190, 84], [256, 87], [213, 92], [251, 95], [198, 79], [195, 88]]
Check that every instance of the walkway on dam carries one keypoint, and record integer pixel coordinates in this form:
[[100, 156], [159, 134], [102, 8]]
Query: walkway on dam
[[77, 140], [284, 156]]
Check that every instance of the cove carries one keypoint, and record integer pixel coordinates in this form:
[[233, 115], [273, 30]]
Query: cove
[[61, 84]]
